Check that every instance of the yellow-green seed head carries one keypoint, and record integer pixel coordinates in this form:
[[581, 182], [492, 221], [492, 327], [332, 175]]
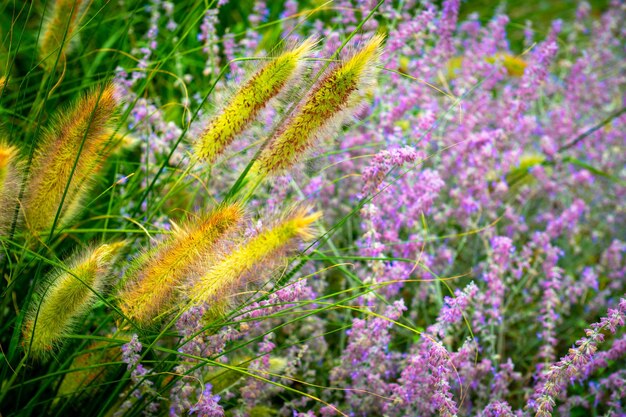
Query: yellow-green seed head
[[332, 100], [515, 66], [249, 100], [9, 185], [59, 29], [153, 282], [85, 124], [67, 294], [218, 283]]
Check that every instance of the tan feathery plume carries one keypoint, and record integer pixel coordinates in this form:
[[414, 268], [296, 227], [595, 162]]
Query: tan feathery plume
[[67, 295], [326, 107], [222, 279], [9, 185], [84, 129], [153, 282], [60, 23], [249, 100]]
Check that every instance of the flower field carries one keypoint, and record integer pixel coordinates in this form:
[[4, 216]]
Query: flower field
[[312, 208]]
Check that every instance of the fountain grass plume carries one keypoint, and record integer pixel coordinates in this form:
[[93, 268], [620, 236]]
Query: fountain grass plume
[[152, 283], [59, 29], [83, 129], [219, 283], [66, 295], [245, 105], [335, 97], [513, 65], [10, 174]]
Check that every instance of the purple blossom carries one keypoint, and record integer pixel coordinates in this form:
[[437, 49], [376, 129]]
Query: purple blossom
[[424, 385], [366, 363], [574, 363], [208, 404], [130, 352], [138, 375]]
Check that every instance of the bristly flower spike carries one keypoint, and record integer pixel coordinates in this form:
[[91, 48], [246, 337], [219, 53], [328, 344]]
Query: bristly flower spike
[[59, 28], [68, 293], [335, 97], [9, 185], [217, 285], [249, 100], [83, 128], [152, 284]]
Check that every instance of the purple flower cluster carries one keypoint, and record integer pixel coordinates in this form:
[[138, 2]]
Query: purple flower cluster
[[366, 364], [143, 387], [576, 361], [207, 405]]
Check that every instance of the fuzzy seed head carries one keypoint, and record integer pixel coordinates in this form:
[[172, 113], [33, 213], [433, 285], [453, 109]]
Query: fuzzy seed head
[[249, 100], [9, 185], [514, 65], [85, 124], [7, 159], [60, 25], [65, 296], [219, 282], [153, 282], [334, 99]]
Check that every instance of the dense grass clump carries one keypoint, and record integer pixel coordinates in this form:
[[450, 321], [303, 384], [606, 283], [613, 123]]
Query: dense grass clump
[[299, 208]]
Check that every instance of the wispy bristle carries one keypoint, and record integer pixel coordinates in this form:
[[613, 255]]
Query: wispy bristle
[[65, 296], [222, 279], [327, 106], [81, 128], [249, 100], [152, 284]]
